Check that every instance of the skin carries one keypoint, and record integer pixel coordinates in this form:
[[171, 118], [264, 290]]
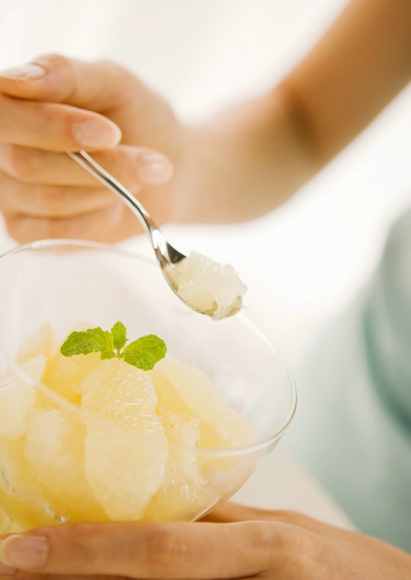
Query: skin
[[43, 193], [232, 542], [234, 167], [237, 166]]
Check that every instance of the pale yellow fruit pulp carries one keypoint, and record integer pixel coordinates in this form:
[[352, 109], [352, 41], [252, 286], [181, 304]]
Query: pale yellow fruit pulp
[[208, 286], [117, 443]]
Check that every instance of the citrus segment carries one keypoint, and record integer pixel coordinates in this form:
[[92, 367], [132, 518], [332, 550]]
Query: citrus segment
[[43, 341], [135, 449], [188, 391], [183, 493], [20, 496], [55, 456], [126, 450], [64, 375], [209, 286], [17, 397]]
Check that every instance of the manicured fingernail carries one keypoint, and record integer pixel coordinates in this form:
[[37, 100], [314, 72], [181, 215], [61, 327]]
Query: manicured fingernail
[[96, 133], [27, 72], [154, 168], [24, 551], [6, 570]]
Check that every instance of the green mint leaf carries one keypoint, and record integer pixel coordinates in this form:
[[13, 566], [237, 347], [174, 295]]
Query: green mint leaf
[[91, 340], [144, 352], [119, 333], [107, 354]]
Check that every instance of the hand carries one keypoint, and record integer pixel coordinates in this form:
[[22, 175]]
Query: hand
[[57, 104], [234, 542]]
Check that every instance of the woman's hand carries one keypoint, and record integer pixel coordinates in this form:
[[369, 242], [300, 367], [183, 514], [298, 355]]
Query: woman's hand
[[239, 165], [57, 104], [232, 542]]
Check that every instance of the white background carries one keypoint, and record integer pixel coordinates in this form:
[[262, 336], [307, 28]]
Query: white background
[[305, 260]]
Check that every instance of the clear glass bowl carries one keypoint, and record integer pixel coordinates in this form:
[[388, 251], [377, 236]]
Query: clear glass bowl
[[42, 476]]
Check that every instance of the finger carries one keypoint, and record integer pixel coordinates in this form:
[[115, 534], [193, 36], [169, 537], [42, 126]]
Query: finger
[[232, 512], [54, 127], [303, 522], [22, 575], [133, 166], [6, 572], [142, 550], [97, 86], [39, 201], [108, 225]]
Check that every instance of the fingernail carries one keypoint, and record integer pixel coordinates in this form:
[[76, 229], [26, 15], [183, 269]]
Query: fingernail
[[27, 72], [154, 168], [96, 133], [24, 552], [6, 570]]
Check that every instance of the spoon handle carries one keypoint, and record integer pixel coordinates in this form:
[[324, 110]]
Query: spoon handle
[[166, 254], [88, 163]]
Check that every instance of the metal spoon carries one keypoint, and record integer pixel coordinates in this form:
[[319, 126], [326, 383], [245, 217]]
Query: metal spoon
[[166, 254]]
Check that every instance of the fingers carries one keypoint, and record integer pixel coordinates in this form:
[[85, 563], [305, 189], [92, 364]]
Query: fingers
[[98, 86], [109, 225], [21, 575], [54, 127], [133, 166], [232, 512], [142, 550], [47, 195], [50, 125], [56, 104], [52, 202]]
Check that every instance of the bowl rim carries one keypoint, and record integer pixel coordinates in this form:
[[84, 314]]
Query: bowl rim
[[91, 245]]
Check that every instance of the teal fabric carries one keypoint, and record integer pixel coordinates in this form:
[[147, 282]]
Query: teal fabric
[[353, 425]]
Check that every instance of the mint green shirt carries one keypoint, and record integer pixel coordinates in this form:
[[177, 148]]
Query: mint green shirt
[[352, 429]]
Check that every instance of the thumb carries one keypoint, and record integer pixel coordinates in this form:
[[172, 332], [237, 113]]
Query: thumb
[[98, 86]]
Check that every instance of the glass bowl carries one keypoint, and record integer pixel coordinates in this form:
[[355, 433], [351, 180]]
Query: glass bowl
[[66, 459]]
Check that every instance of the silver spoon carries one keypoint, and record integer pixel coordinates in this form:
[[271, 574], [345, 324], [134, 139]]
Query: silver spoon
[[166, 254]]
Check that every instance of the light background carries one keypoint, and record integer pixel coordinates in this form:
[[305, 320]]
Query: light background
[[305, 260]]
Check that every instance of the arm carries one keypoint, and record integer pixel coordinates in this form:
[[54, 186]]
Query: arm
[[237, 166], [251, 158]]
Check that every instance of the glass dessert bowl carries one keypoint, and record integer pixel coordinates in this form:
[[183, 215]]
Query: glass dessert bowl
[[86, 439]]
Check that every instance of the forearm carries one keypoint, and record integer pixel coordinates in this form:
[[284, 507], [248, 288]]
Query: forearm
[[361, 63], [251, 158], [245, 161]]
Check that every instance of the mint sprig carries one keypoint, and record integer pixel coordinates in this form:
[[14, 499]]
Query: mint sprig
[[119, 334], [142, 353]]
